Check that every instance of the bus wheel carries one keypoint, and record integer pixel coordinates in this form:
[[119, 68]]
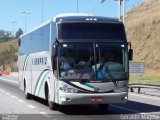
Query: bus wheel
[[27, 95], [103, 107], [52, 105]]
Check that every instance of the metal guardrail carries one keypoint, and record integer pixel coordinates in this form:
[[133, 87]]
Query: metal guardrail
[[143, 85]]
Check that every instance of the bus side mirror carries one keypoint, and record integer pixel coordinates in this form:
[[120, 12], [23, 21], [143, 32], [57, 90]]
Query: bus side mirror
[[130, 54], [19, 42], [54, 50]]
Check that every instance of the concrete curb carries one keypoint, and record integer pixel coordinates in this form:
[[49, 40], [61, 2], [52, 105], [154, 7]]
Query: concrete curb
[[14, 74]]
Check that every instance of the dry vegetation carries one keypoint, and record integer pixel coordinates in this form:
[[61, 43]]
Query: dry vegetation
[[6, 45], [8, 53], [143, 30]]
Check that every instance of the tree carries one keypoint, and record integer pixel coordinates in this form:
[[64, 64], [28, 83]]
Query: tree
[[19, 33], [5, 35]]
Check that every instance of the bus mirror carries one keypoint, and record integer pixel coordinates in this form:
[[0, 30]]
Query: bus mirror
[[130, 54], [19, 42], [55, 49]]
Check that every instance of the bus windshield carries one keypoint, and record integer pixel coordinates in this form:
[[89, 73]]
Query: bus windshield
[[91, 31], [94, 61]]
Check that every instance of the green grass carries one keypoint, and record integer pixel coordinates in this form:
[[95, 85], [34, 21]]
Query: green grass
[[144, 79]]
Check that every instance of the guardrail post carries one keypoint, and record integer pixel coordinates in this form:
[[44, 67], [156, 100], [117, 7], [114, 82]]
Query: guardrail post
[[139, 89], [132, 89]]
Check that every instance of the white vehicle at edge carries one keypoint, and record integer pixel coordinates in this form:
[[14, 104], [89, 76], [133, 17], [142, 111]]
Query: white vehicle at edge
[[75, 59]]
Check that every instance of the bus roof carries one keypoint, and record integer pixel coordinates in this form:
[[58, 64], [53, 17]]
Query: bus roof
[[82, 17], [35, 28], [75, 17], [63, 15]]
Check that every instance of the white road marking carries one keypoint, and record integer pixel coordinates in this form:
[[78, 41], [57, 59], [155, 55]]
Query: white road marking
[[127, 109], [2, 90], [7, 93], [145, 96], [14, 97], [31, 106], [43, 113], [21, 101], [15, 82]]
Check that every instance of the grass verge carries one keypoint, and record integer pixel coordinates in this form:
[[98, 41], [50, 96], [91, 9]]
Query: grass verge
[[144, 79]]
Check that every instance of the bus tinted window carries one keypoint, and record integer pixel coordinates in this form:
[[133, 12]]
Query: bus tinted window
[[92, 31]]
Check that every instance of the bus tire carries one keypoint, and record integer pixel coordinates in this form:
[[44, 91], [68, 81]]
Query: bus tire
[[52, 105], [103, 107], [27, 95]]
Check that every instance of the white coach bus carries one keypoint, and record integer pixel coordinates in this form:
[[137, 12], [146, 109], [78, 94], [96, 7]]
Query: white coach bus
[[76, 59]]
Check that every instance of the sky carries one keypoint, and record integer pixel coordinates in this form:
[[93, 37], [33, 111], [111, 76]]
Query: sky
[[11, 10]]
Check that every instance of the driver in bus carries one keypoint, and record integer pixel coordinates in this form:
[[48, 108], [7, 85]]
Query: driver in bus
[[67, 62]]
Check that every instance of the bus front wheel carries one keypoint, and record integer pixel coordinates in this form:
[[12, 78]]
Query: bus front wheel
[[52, 105], [27, 95]]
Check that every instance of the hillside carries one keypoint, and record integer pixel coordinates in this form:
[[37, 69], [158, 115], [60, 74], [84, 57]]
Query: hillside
[[143, 30], [6, 45], [8, 54]]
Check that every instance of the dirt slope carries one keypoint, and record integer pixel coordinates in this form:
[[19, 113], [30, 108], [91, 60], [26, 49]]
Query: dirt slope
[[143, 30]]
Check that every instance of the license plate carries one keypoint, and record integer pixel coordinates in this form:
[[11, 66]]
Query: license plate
[[96, 99]]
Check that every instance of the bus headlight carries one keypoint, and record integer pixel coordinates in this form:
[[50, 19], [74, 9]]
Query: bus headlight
[[68, 90]]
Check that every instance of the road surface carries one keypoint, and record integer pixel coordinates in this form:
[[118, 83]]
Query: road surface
[[14, 105]]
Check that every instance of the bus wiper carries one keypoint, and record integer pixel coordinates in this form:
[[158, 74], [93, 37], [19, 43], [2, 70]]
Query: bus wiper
[[106, 70], [109, 73], [84, 70]]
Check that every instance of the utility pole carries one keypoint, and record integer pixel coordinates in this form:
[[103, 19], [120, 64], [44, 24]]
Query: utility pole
[[42, 10], [11, 47], [25, 19], [12, 57], [77, 6], [119, 8], [13, 23], [124, 12]]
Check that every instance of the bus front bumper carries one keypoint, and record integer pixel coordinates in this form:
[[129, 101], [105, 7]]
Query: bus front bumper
[[98, 98]]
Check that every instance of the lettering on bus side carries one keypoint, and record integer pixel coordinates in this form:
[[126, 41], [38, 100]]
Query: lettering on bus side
[[39, 61]]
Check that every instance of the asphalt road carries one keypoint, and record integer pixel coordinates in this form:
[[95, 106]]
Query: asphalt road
[[14, 105]]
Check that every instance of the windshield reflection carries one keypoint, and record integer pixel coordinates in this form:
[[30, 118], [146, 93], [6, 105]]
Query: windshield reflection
[[101, 61]]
